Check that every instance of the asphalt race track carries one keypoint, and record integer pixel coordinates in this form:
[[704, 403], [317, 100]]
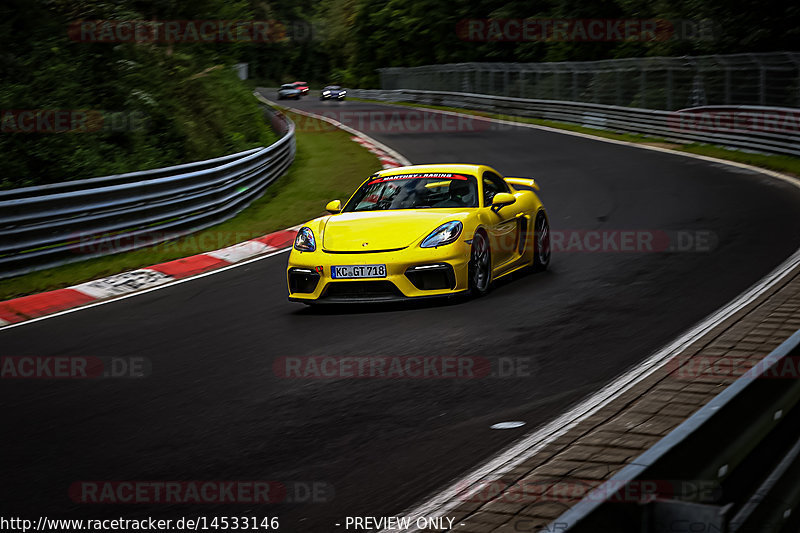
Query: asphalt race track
[[214, 409]]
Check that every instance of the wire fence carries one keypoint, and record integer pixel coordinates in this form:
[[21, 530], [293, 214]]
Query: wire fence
[[667, 83]]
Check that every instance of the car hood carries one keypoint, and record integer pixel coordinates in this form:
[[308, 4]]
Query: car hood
[[382, 230]]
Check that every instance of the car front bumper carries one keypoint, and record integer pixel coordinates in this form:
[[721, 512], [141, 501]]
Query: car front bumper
[[410, 274]]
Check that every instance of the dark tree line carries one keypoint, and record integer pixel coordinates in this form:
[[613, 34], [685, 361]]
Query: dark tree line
[[352, 38], [161, 103]]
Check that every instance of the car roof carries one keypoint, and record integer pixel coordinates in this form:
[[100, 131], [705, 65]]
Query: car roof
[[472, 169]]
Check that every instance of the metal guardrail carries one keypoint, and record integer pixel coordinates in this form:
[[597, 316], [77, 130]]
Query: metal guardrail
[[733, 466], [50, 225], [771, 130]]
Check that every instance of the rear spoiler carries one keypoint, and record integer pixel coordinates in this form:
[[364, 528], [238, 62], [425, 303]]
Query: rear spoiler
[[522, 183]]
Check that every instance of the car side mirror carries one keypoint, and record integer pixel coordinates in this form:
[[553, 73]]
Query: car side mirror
[[502, 199], [334, 206]]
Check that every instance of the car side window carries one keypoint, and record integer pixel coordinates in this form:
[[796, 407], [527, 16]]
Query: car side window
[[492, 184]]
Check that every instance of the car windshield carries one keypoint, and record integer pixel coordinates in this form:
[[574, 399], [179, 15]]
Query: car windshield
[[415, 191], [287, 86], [332, 88]]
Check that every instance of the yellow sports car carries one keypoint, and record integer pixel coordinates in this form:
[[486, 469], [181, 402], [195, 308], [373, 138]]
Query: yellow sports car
[[420, 231]]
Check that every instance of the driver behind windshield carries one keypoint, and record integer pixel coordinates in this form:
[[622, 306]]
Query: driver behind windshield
[[415, 192]]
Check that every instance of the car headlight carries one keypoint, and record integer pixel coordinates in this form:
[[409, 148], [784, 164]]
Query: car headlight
[[326, 92], [304, 241], [444, 234]]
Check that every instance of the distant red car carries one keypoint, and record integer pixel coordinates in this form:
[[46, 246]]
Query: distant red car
[[302, 86]]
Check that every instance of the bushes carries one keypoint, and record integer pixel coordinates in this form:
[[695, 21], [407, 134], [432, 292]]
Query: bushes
[[149, 104]]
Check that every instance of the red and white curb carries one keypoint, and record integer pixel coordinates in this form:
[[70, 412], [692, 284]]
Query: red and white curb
[[46, 303], [387, 160], [388, 157]]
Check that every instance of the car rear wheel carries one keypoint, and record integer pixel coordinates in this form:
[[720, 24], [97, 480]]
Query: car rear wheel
[[480, 266], [541, 242]]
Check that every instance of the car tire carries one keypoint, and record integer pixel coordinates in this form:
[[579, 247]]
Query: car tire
[[479, 269], [541, 242]]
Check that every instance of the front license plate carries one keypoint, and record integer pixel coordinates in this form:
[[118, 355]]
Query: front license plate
[[358, 271]]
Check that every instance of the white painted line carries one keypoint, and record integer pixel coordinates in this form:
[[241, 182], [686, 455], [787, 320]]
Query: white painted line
[[338, 124], [508, 425], [784, 177], [172, 283], [239, 252], [443, 502], [123, 283]]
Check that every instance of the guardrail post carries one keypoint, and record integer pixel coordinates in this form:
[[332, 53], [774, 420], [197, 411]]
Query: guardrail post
[[669, 90], [575, 85], [557, 85], [643, 87]]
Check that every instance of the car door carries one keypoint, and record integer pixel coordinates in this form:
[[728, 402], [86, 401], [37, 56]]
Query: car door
[[505, 224]]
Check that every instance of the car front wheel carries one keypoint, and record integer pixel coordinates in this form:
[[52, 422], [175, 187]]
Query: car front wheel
[[541, 242], [480, 266]]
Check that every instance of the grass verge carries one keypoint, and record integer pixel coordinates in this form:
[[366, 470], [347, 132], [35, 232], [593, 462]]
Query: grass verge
[[780, 163], [328, 165]]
